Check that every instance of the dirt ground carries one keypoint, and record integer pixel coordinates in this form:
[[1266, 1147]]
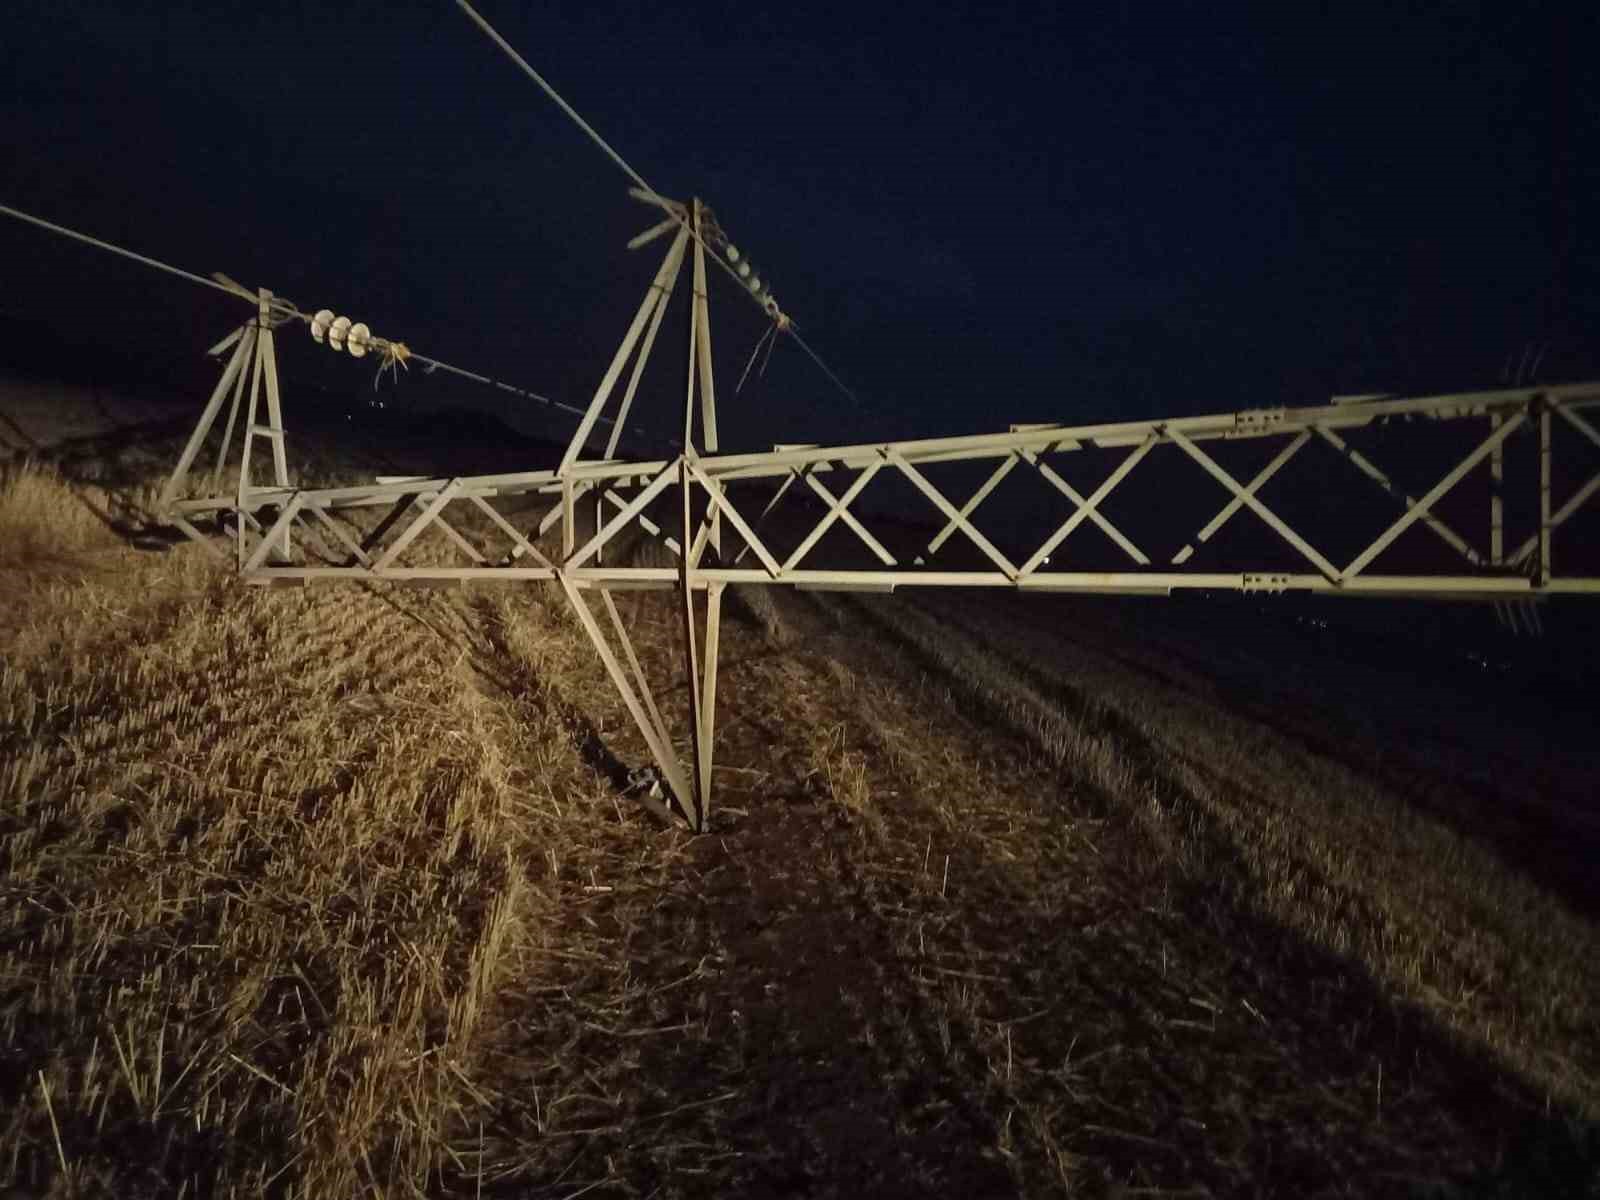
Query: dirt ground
[[916, 956], [999, 897]]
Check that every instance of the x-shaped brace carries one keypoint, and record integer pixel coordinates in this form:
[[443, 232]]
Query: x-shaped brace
[[1087, 508], [1248, 498], [839, 509], [720, 499], [1422, 507], [1234, 505], [1368, 468], [978, 497], [636, 506], [943, 505]]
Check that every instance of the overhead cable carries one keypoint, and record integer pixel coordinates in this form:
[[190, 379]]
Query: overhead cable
[[107, 246], [682, 219], [280, 306]]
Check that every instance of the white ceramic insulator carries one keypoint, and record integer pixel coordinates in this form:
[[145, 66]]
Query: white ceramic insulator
[[319, 325]]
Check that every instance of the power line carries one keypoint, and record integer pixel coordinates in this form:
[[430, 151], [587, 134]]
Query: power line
[[605, 147], [280, 305], [107, 246], [826, 370], [527, 68]]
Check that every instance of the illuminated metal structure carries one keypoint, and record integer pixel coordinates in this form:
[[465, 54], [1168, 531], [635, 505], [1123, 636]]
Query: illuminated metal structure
[[729, 542], [709, 498]]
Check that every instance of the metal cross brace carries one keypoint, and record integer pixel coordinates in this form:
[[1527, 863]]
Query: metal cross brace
[[1089, 508], [1249, 498], [1422, 507], [1368, 468], [1234, 505]]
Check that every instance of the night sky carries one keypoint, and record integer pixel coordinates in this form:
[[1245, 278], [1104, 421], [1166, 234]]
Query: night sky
[[977, 214]]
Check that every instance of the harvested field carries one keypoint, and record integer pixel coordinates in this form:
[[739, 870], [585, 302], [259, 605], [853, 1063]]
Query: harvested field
[[339, 892]]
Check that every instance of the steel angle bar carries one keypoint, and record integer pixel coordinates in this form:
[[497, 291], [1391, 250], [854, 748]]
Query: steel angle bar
[[1436, 585], [1545, 458], [461, 542], [644, 351], [429, 511], [247, 344], [702, 344], [633, 662], [216, 351], [656, 294], [937, 498], [702, 535], [651, 234], [1578, 423], [1266, 581], [415, 574], [978, 497], [693, 368], [849, 518], [721, 501], [708, 699], [1136, 582], [558, 510], [1424, 505], [649, 526], [373, 539], [1088, 507], [881, 589], [569, 518], [666, 758], [696, 713], [332, 526], [1576, 501], [625, 578], [234, 369], [1195, 429], [1261, 510], [250, 423], [837, 507], [790, 476], [279, 529], [635, 506], [266, 351], [449, 530], [1558, 518], [1497, 476], [1371, 470], [194, 535], [1234, 505], [520, 545]]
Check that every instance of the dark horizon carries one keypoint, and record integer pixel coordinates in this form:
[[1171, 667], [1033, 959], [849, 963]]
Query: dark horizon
[[977, 219]]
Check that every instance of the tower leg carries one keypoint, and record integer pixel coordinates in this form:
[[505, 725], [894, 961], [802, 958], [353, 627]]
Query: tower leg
[[1544, 494], [243, 344], [646, 718], [1497, 475]]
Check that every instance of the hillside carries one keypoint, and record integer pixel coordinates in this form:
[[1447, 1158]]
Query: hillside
[[339, 891]]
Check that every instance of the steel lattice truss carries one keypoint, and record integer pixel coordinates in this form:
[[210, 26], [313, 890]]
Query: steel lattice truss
[[736, 513]]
